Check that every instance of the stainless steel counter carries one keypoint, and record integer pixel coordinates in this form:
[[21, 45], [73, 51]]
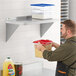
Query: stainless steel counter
[[44, 72], [37, 69]]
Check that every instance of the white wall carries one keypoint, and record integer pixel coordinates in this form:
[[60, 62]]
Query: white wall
[[20, 46]]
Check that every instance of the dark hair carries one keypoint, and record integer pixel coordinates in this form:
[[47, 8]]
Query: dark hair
[[69, 24]]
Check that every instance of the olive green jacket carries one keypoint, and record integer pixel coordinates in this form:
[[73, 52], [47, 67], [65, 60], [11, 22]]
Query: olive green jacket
[[65, 53]]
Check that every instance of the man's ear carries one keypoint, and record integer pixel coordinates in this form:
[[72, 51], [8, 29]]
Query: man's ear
[[69, 31]]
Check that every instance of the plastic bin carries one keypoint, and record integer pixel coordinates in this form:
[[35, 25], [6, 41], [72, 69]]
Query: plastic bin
[[43, 11], [46, 43]]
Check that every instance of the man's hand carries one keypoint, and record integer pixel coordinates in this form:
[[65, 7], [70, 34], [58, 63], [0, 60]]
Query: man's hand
[[40, 47], [55, 45], [48, 46]]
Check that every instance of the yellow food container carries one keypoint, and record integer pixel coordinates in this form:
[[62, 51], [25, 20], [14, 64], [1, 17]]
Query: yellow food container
[[46, 43], [38, 53]]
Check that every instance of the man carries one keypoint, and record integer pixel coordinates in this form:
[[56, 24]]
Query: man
[[65, 53]]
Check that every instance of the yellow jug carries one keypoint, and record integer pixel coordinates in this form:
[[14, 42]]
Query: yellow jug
[[8, 67]]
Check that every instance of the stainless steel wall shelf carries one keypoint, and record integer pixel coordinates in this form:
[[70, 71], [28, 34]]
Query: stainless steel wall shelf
[[13, 24]]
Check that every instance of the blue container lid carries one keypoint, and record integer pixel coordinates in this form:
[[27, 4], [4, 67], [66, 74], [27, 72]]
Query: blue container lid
[[42, 5]]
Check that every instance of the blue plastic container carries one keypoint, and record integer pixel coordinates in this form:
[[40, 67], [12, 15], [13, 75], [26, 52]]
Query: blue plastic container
[[42, 5]]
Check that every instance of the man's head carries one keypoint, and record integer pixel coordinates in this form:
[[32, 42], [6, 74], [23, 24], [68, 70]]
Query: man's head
[[68, 29]]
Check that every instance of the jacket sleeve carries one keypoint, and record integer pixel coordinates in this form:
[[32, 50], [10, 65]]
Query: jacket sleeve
[[60, 54]]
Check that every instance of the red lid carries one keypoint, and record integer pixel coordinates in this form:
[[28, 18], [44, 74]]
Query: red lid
[[43, 41], [36, 41]]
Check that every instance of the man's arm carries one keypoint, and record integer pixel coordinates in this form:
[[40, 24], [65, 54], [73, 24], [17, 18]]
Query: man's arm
[[55, 45], [59, 54]]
